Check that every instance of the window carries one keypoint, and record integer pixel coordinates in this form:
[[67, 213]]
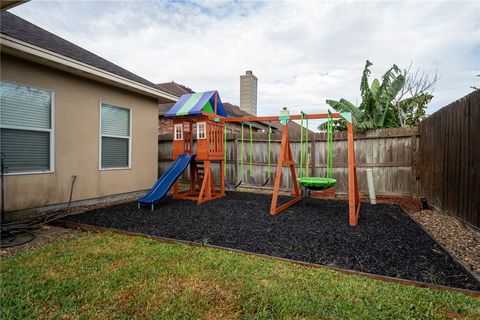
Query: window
[[201, 130], [26, 128], [178, 132], [115, 137]]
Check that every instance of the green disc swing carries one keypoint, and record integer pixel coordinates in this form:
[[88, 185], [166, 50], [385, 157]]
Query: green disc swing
[[316, 183]]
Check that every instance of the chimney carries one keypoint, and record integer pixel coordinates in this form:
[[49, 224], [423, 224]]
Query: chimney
[[248, 93]]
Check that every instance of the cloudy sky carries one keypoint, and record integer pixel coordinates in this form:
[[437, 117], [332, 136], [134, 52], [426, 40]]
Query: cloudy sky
[[303, 52]]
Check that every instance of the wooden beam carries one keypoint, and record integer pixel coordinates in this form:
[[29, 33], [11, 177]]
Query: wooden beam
[[277, 118]]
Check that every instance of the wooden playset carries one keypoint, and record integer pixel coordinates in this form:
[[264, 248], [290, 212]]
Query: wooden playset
[[203, 115]]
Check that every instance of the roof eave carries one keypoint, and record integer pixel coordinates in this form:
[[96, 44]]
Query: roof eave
[[39, 55], [9, 4]]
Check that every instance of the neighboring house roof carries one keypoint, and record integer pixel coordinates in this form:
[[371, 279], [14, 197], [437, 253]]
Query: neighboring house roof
[[235, 111], [193, 104], [20, 29], [293, 128], [175, 88]]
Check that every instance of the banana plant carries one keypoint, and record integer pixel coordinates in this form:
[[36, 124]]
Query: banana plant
[[377, 107]]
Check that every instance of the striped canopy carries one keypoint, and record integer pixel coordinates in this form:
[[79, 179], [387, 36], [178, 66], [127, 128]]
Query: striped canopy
[[195, 103]]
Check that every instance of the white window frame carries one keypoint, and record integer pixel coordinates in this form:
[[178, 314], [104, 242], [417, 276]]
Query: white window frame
[[200, 131], [114, 136], [178, 125], [51, 131]]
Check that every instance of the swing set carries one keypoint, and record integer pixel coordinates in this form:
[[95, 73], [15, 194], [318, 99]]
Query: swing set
[[242, 168], [205, 112]]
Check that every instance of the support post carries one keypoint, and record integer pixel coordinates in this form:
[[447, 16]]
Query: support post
[[353, 195], [206, 189], [284, 158], [192, 177]]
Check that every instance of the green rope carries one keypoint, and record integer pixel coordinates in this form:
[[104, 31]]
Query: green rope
[[269, 147], [300, 171], [241, 156], [329, 146], [225, 151], [306, 149], [251, 152]]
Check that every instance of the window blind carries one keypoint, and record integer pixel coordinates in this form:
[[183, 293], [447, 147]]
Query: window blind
[[115, 136], [26, 128], [23, 106], [114, 152], [115, 121]]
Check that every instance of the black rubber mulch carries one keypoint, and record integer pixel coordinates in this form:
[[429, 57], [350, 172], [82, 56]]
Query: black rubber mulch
[[386, 241]]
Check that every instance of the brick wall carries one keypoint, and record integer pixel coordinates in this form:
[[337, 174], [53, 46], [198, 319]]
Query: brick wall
[[165, 126]]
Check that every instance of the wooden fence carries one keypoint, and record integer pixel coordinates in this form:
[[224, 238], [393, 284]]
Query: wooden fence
[[449, 159], [389, 152]]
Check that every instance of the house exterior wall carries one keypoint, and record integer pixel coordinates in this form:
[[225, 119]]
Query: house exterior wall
[[77, 141]]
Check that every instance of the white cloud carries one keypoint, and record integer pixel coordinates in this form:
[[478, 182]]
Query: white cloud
[[302, 52]]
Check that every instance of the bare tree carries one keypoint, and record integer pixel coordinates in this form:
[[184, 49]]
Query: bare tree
[[414, 96]]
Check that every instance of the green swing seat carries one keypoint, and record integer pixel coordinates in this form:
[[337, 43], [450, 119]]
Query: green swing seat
[[316, 183]]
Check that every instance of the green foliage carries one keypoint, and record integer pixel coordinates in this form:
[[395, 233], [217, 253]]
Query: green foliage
[[414, 108], [379, 107], [108, 276]]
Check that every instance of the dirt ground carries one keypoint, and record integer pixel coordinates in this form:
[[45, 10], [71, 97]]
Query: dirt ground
[[49, 233], [43, 235]]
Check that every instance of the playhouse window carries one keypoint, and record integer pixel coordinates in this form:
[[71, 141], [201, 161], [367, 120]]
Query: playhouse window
[[201, 131], [178, 132]]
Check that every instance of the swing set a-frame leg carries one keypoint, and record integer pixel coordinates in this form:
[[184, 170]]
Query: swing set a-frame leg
[[285, 159], [353, 194]]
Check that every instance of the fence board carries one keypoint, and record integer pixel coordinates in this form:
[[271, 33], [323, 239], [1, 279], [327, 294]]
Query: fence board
[[449, 159]]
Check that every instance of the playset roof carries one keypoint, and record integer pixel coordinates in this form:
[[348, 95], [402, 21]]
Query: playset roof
[[194, 104]]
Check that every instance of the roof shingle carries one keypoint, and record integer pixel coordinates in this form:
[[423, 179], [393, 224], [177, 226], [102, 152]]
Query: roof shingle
[[175, 88]]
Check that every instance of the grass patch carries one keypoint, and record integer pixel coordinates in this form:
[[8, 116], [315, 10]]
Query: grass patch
[[114, 276]]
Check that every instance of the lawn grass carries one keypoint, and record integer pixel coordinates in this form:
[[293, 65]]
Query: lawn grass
[[101, 276]]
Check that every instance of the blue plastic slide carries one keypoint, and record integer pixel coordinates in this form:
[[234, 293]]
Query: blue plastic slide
[[166, 181]]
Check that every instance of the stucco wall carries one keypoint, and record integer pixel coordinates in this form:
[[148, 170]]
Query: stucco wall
[[76, 103]]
